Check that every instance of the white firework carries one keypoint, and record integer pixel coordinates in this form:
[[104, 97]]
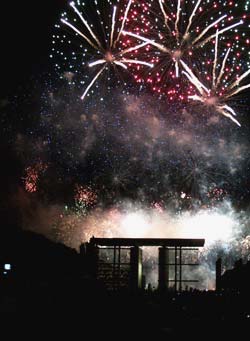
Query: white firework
[[110, 54]]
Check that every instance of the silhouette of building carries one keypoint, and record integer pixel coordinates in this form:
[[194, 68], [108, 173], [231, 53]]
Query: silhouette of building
[[117, 262], [236, 279], [218, 274]]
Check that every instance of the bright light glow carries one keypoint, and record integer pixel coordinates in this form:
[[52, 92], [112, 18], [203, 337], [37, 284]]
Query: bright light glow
[[135, 225], [213, 226]]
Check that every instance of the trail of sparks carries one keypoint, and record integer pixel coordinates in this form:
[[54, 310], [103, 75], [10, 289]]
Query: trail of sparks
[[164, 14], [215, 59], [191, 18], [79, 32], [207, 29], [223, 67], [93, 82], [72, 4], [220, 32], [113, 26], [149, 41], [177, 19], [123, 21]]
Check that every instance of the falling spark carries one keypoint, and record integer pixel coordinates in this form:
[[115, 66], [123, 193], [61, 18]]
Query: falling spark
[[113, 26], [92, 82], [124, 21], [164, 14], [178, 19], [72, 4]]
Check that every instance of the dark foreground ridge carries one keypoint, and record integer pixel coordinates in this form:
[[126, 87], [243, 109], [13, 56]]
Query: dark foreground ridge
[[50, 285]]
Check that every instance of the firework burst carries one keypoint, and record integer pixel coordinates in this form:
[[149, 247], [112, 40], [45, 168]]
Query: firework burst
[[85, 196], [224, 83], [32, 175], [197, 173], [103, 41], [181, 30]]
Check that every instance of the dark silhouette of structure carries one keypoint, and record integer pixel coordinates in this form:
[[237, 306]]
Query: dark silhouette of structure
[[218, 274], [55, 283], [236, 279], [117, 262]]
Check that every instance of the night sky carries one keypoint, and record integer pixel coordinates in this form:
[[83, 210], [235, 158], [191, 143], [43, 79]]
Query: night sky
[[25, 43], [123, 162]]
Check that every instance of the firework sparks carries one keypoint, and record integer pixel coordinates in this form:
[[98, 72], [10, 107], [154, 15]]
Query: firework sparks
[[32, 176], [85, 196], [111, 56], [162, 34], [217, 94], [184, 36]]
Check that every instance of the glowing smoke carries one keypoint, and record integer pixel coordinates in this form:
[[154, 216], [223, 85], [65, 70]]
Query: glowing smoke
[[223, 229]]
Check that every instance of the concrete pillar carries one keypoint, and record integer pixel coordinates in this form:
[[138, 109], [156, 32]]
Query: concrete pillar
[[163, 268], [135, 268]]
